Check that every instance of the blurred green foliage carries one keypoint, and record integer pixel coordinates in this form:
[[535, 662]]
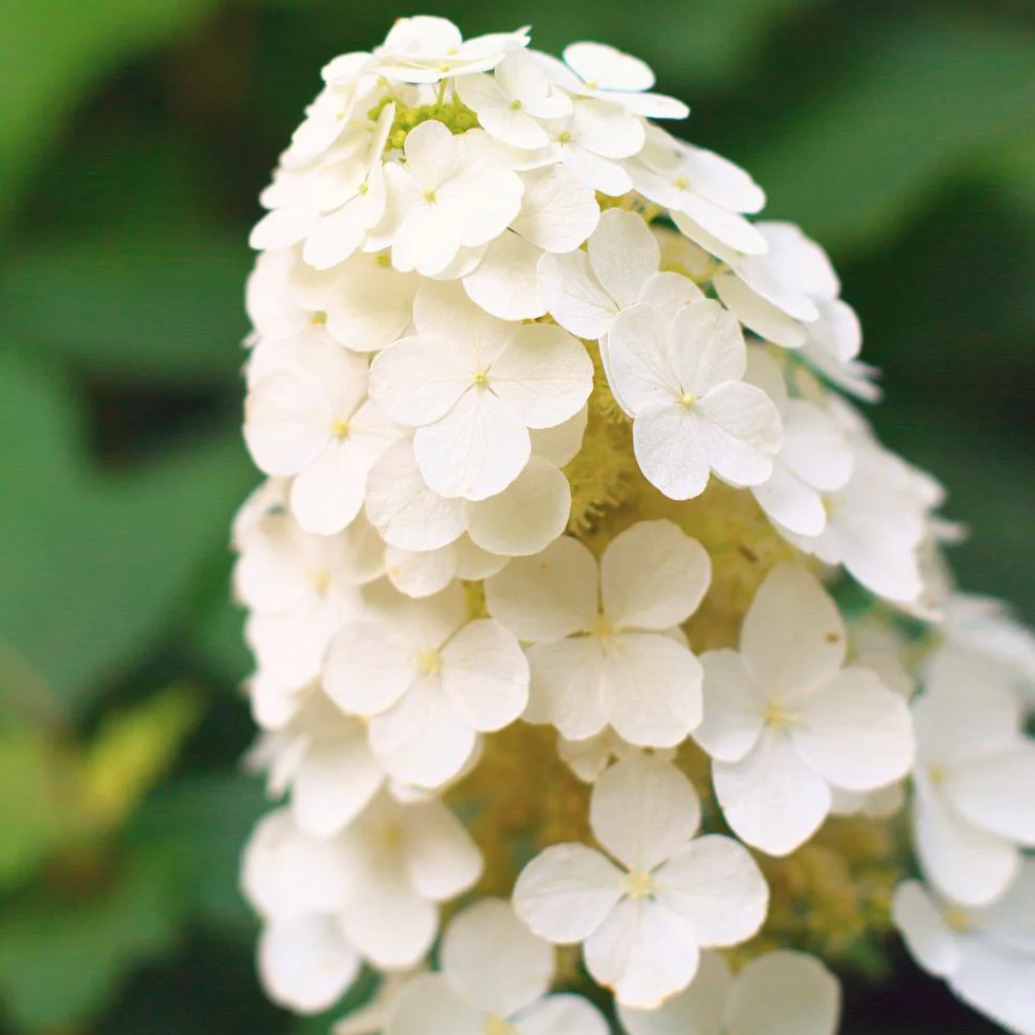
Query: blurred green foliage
[[135, 138]]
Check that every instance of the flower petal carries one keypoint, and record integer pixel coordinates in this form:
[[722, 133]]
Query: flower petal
[[566, 892], [643, 810], [733, 707], [653, 576], [784, 993]]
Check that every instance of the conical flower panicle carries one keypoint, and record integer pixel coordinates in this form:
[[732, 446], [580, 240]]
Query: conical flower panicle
[[587, 609]]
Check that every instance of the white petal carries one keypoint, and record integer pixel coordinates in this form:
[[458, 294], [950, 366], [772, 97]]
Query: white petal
[[999, 985], [288, 421], [558, 211], [429, 1005], [670, 450], [764, 318], [370, 306], [707, 347], [367, 669], [608, 68], [498, 963], [962, 862], [306, 965], [476, 450], [422, 739], [740, 432], [997, 793], [390, 924], [643, 810], [639, 368], [784, 993], [653, 576], [789, 502], [421, 574], [771, 798], [922, 926], [698, 1010], [548, 596], [328, 494], [527, 516], [337, 778], [567, 678], [814, 447], [485, 673], [506, 281], [566, 892], [623, 253], [652, 690], [793, 638], [717, 887], [856, 732], [561, 1015], [441, 859], [544, 375], [403, 509], [561, 444], [643, 952], [733, 707], [419, 380], [573, 296]]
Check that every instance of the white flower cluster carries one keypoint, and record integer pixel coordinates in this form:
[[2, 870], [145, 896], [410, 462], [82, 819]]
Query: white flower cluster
[[557, 448]]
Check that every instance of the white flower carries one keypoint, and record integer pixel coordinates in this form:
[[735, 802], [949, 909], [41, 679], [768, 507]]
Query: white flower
[[603, 653], [878, 522], [393, 861], [644, 922], [692, 413], [508, 102], [331, 207], [369, 304], [705, 193], [597, 70], [558, 213], [310, 417], [814, 458], [445, 196], [372, 1017], [586, 290], [592, 140], [986, 956], [790, 295], [425, 49], [429, 681], [494, 979], [590, 757], [329, 117], [423, 573], [473, 386], [985, 626], [775, 994], [784, 721], [300, 588], [324, 759], [974, 785], [522, 519]]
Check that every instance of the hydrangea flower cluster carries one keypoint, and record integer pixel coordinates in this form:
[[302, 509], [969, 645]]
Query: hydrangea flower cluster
[[607, 663]]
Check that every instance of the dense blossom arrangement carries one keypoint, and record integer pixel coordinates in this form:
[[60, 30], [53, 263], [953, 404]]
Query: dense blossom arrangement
[[608, 664]]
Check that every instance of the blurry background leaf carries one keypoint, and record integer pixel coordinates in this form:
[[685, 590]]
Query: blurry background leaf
[[93, 566], [50, 50], [158, 301], [62, 960], [910, 108]]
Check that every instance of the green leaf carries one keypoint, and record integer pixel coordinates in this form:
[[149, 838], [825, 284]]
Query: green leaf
[[61, 961], [51, 51], [203, 823], [912, 110], [93, 566], [150, 302]]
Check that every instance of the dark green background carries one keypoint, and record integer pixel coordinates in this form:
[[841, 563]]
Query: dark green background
[[134, 138]]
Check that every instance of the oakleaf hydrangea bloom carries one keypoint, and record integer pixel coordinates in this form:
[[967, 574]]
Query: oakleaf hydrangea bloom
[[610, 674]]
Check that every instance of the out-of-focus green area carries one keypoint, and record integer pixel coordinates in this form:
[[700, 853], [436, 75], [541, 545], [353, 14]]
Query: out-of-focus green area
[[134, 139]]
